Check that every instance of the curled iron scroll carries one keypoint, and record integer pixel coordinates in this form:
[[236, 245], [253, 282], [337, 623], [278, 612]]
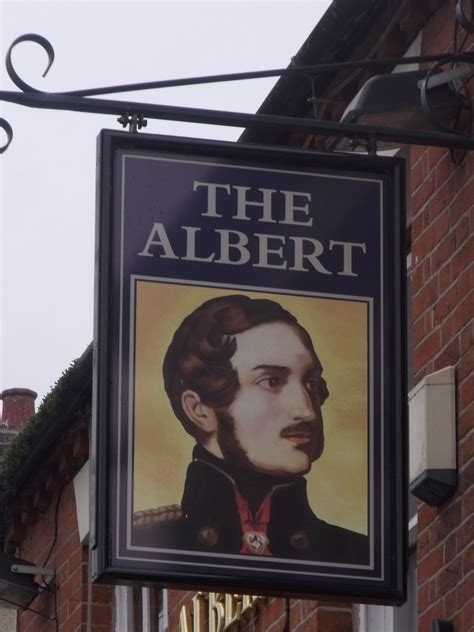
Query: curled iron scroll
[[7, 128], [14, 76], [18, 81]]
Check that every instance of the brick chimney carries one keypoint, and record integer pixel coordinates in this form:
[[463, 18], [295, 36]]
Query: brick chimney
[[18, 406]]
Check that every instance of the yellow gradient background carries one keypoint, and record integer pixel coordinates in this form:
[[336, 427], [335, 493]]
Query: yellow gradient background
[[337, 482]]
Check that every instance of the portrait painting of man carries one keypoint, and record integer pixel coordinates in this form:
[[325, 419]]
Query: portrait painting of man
[[244, 380], [249, 426]]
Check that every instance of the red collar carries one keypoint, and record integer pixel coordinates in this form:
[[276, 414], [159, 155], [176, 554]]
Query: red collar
[[254, 530]]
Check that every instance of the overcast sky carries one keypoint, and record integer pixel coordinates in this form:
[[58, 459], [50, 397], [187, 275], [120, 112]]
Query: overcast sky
[[47, 175]]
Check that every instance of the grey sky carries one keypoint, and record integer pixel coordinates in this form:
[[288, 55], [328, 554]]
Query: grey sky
[[47, 176]]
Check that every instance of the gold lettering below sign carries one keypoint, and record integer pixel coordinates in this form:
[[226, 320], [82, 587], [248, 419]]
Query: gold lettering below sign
[[223, 611]]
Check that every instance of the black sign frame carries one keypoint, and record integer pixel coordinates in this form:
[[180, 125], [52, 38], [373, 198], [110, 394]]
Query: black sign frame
[[390, 585]]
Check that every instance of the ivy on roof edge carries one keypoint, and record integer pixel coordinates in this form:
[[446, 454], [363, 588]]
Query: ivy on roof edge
[[20, 447]]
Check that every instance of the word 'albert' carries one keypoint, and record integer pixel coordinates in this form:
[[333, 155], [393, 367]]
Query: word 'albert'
[[261, 250], [223, 612]]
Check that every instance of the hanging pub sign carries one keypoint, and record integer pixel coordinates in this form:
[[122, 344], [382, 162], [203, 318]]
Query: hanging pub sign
[[249, 408]]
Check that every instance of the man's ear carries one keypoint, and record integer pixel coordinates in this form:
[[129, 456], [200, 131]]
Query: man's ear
[[203, 416]]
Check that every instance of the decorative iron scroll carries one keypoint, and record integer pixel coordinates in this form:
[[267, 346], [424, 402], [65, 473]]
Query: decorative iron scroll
[[135, 113]]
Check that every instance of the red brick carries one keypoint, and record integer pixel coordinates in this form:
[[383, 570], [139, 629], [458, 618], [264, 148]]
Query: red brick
[[423, 598], [422, 372], [463, 257], [462, 203], [446, 304], [308, 607], [465, 589], [442, 226], [76, 558], [468, 559], [73, 620], [418, 224], [103, 594], [443, 251], [437, 31], [423, 543], [469, 160], [430, 565], [449, 518], [177, 597], [465, 532], [426, 350], [435, 155], [466, 475], [102, 615], [451, 604], [441, 201], [448, 356], [462, 231], [466, 393], [425, 298], [444, 170], [463, 312], [419, 330], [462, 175], [450, 548], [424, 243], [417, 152], [466, 452], [445, 277], [332, 621], [423, 193], [467, 616], [465, 281], [416, 176], [427, 269], [426, 516], [447, 331], [435, 612], [274, 611], [465, 421], [449, 576], [466, 341], [465, 367], [417, 279]]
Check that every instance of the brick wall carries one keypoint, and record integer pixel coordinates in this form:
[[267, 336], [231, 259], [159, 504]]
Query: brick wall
[[76, 600], [442, 283]]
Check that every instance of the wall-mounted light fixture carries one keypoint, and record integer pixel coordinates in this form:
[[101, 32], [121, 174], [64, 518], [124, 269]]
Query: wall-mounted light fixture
[[432, 418], [17, 580], [400, 99]]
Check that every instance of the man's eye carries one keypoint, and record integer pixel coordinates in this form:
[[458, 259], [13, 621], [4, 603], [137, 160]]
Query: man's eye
[[270, 382]]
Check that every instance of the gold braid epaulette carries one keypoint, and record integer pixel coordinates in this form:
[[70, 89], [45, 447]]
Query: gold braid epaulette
[[158, 515]]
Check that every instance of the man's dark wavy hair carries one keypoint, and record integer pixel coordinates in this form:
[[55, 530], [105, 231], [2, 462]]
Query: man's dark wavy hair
[[198, 357]]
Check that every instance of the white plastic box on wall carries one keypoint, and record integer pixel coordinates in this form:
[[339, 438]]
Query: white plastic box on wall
[[432, 419]]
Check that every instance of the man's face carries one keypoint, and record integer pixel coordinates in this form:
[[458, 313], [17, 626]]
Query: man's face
[[276, 412]]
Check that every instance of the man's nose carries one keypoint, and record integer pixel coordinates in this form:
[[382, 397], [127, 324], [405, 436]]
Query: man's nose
[[301, 407]]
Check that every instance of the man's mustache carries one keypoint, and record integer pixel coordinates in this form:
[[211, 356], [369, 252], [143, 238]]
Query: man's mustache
[[301, 428]]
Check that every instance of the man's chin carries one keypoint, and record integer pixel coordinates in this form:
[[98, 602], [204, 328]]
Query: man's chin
[[312, 450], [299, 468]]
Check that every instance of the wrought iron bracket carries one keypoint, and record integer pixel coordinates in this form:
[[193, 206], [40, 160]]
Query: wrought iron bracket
[[133, 121], [134, 114]]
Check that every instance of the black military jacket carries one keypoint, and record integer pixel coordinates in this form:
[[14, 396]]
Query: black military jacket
[[209, 520]]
